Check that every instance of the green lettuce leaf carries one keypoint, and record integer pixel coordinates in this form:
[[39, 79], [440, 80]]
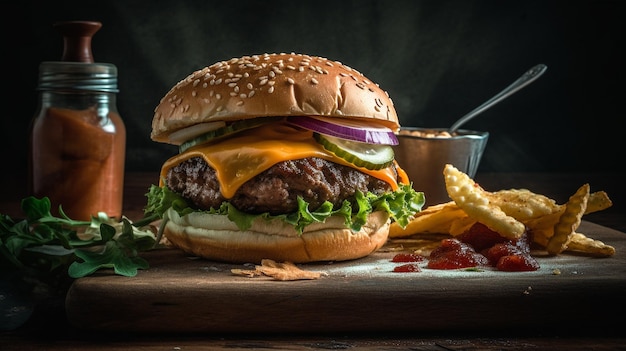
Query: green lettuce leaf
[[401, 205]]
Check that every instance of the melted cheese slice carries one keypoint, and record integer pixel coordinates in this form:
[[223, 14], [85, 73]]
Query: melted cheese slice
[[241, 157]]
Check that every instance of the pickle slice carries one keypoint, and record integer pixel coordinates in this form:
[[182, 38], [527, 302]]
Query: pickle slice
[[370, 156], [229, 129]]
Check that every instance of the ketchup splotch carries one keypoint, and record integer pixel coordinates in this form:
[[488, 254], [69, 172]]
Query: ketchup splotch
[[512, 256], [477, 247], [407, 268], [454, 254], [480, 237], [407, 257]]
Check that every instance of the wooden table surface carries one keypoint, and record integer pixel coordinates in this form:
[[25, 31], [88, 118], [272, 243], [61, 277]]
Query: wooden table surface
[[48, 328]]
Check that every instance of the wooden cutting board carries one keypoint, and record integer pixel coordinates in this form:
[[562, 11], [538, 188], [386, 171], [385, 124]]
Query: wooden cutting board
[[182, 294]]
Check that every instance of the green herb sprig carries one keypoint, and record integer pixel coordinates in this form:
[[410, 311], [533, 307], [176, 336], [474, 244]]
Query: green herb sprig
[[42, 242]]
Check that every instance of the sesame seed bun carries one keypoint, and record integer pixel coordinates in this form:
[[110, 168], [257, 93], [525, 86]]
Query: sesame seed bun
[[271, 85]]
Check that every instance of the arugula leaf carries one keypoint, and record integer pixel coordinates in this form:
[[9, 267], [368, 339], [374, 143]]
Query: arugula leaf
[[112, 256], [44, 242]]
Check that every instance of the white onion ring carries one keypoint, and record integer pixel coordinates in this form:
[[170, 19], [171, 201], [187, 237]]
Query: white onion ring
[[187, 133]]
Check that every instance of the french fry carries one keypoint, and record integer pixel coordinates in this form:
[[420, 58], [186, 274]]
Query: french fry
[[472, 199], [523, 204], [598, 201], [511, 212], [461, 225], [542, 228], [433, 219], [581, 243], [569, 220]]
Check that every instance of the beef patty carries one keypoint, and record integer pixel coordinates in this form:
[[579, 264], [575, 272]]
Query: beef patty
[[275, 190]]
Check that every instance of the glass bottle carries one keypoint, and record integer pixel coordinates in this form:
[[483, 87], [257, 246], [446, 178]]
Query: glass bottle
[[78, 139]]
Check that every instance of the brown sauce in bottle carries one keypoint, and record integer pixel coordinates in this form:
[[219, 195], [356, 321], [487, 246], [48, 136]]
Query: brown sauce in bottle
[[78, 161], [78, 139]]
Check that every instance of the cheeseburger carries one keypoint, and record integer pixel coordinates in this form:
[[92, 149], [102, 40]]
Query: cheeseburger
[[281, 156]]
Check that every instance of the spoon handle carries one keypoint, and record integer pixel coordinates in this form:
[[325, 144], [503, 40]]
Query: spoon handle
[[521, 82]]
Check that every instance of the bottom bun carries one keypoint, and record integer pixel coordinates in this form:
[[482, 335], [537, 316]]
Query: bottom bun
[[217, 238]]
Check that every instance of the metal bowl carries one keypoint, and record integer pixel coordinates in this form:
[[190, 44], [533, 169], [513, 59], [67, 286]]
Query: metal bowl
[[424, 152]]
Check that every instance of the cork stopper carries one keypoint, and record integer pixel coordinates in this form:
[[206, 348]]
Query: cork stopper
[[77, 40], [77, 70]]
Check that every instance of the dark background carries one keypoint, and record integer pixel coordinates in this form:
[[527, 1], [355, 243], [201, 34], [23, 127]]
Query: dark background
[[437, 59]]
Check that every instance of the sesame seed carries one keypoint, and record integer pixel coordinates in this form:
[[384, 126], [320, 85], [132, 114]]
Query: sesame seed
[[218, 96], [270, 90], [249, 86], [219, 108], [314, 81], [196, 82], [291, 81], [232, 93], [251, 93], [263, 81], [240, 102], [232, 85], [194, 93]]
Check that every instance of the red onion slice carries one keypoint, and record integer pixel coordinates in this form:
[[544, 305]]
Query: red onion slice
[[346, 129]]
